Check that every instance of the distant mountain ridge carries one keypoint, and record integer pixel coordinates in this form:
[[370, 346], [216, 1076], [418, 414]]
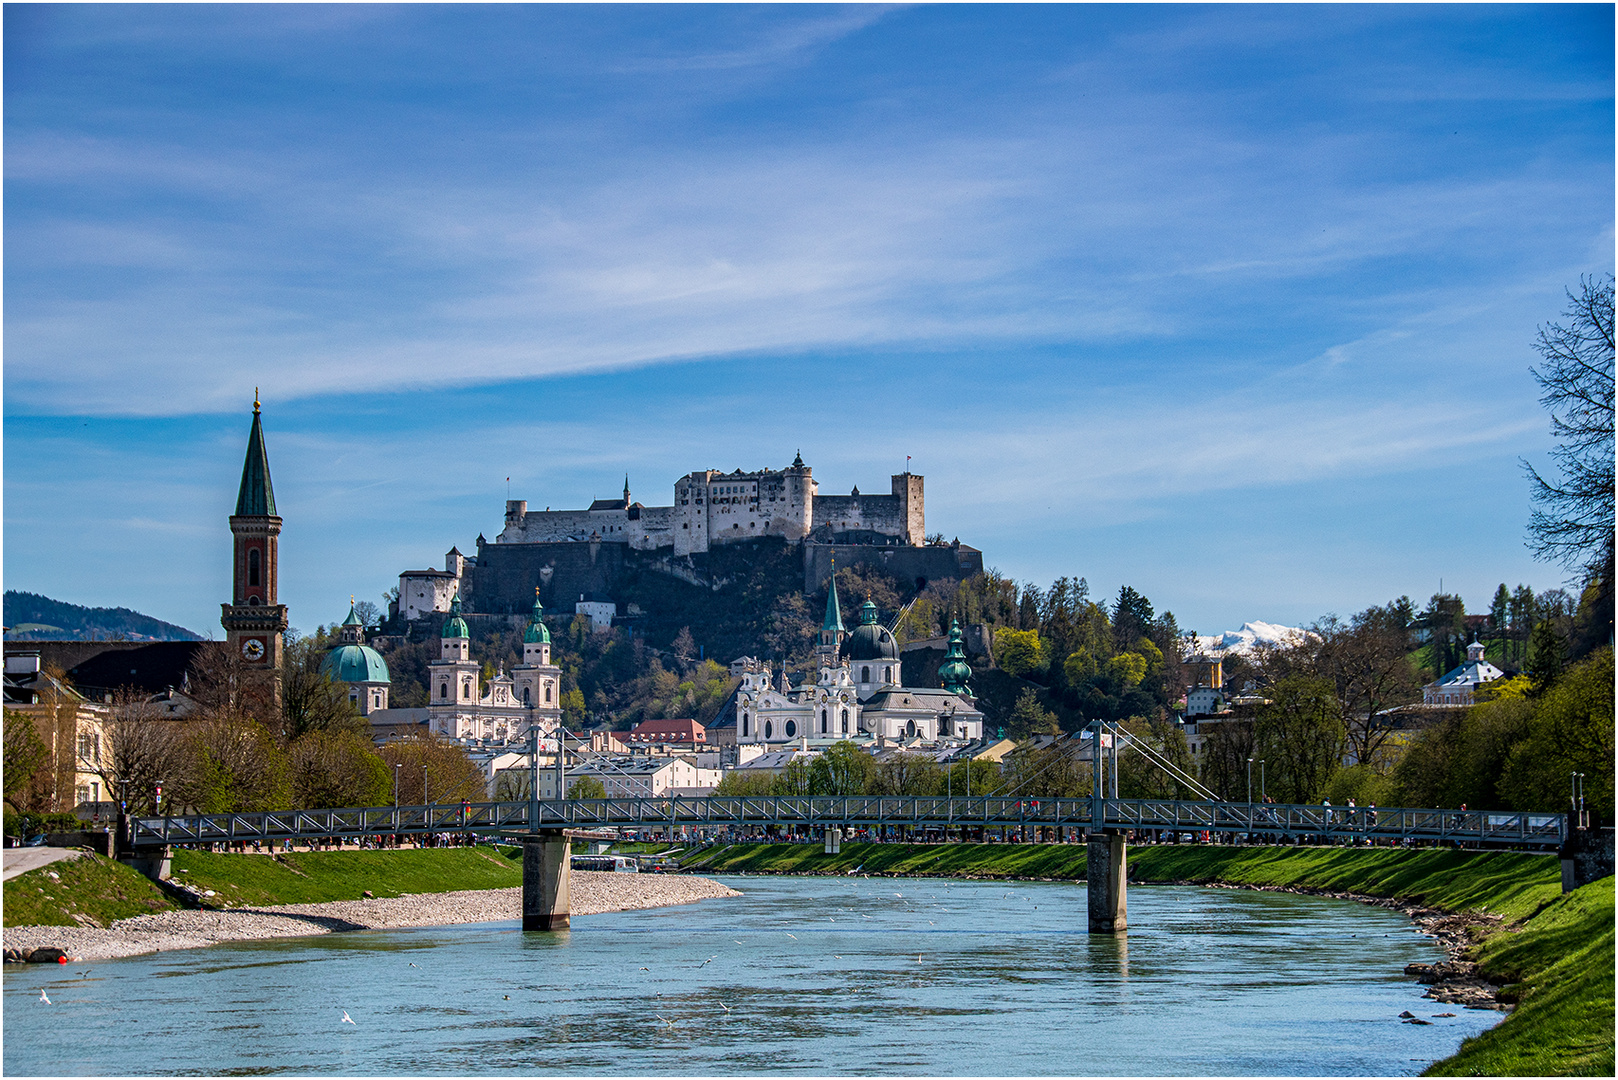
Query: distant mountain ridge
[[31, 617], [1251, 636]]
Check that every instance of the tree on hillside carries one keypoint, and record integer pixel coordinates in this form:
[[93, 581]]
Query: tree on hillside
[[1571, 731], [1445, 621], [1572, 523], [1367, 661], [1131, 617], [1020, 652]]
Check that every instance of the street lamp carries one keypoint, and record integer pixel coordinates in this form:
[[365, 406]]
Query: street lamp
[[1249, 781], [1262, 796], [396, 769], [425, 798]]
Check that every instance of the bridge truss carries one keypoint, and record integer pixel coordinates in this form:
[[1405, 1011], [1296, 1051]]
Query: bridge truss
[[1166, 816]]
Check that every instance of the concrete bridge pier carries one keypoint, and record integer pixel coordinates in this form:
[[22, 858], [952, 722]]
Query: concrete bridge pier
[[1106, 869], [547, 864]]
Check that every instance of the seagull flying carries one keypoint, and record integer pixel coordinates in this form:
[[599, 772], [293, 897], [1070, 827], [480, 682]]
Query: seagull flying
[[670, 1023], [722, 1005], [794, 937], [347, 1019], [43, 998]]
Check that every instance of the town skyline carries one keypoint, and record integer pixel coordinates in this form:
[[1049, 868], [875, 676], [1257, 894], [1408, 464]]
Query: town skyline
[[1233, 306]]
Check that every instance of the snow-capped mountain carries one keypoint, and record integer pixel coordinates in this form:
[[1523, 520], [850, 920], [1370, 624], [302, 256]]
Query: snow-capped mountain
[[1249, 637]]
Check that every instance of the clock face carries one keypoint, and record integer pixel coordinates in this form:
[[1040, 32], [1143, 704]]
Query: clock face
[[253, 649]]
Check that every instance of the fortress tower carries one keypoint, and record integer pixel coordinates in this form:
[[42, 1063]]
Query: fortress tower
[[254, 621]]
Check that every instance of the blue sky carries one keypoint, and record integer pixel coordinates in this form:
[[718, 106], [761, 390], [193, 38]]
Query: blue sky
[[1231, 304]]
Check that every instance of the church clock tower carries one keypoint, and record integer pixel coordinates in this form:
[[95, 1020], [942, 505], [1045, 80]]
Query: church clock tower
[[254, 622]]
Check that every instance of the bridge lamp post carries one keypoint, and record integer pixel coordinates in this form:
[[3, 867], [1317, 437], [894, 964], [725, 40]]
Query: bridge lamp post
[[1262, 795], [1250, 782]]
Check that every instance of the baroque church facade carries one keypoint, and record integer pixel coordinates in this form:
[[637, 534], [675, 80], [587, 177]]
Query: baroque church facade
[[857, 692]]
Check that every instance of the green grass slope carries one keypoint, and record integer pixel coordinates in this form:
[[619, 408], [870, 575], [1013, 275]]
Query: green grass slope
[[1560, 966], [319, 876], [975, 860], [98, 891]]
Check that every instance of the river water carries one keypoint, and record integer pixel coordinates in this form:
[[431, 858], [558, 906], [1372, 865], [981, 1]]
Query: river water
[[848, 976]]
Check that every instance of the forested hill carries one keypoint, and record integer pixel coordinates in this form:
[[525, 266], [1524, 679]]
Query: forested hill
[[31, 617]]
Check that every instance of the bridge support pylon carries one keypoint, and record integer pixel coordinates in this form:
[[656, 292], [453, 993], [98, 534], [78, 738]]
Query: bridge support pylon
[[1106, 868], [547, 866]]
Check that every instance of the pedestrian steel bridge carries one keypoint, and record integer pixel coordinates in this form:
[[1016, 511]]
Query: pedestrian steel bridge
[[1168, 817]]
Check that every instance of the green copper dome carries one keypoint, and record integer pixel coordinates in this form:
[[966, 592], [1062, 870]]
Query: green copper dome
[[455, 626], [955, 671], [537, 634], [871, 640], [355, 664]]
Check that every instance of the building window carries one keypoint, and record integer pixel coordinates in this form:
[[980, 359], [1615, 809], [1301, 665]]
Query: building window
[[443, 691], [865, 674], [252, 566], [547, 693], [845, 721], [769, 729], [792, 728], [823, 723], [744, 723], [910, 728], [525, 695], [887, 674]]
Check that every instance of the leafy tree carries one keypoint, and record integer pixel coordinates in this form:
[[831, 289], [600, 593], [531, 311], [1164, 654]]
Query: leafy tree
[[1054, 771], [1079, 668], [369, 614], [1225, 751], [310, 699], [1445, 619], [905, 774], [1131, 617], [1029, 717], [140, 749], [586, 787], [1300, 734], [793, 780], [231, 764], [440, 763], [1020, 652], [25, 754], [1546, 655], [974, 777], [332, 768], [746, 782], [1571, 731], [1500, 617], [843, 769], [1367, 661], [1127, 668], [1139, 777]]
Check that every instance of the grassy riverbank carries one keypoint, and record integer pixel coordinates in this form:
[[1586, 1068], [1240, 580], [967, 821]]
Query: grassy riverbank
[[313, 877], [1560, 969], [89, 890], [1511, 884]]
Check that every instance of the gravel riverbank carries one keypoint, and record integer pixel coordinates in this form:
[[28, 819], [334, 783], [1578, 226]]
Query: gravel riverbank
[[593, 893]]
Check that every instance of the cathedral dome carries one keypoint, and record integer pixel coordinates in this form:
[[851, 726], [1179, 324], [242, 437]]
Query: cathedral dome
[[870, 640], [455, 626], [356, 664]]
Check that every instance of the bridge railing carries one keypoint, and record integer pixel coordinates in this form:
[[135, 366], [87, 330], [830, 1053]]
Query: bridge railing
[[978, 811]]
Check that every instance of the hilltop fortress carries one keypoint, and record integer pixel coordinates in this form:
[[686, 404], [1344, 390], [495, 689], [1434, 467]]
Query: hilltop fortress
[[577, 558], [713, 508]]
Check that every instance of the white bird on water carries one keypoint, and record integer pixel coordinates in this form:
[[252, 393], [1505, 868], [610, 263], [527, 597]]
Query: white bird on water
[[347, 1019], [43, 998], [670, 1023]]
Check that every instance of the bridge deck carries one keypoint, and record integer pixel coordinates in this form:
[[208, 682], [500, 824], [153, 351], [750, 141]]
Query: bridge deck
[[1496, 828]]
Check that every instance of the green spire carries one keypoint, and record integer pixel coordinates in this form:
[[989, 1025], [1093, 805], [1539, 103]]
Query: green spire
[[455, 626], [257, 497], [537, 633], [353, 616], [867, 613], [834, 612], [954, 671]]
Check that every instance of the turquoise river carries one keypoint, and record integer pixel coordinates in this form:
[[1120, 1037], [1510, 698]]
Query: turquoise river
[[820, 976]]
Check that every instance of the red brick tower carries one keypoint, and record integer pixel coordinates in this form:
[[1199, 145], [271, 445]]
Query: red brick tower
[[254, 622]]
